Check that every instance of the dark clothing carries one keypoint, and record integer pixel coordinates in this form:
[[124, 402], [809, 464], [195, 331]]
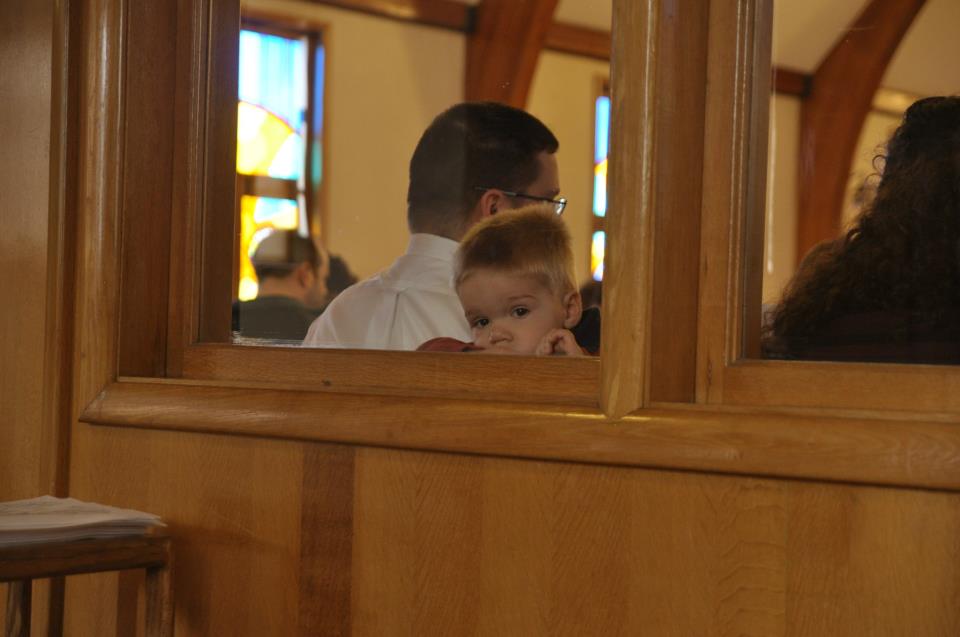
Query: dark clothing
[[276, 317], [587, 331], [884, 337]]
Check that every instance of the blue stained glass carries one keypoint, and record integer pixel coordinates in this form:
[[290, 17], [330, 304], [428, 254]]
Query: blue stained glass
[[316, 149], [272, 69], [602, 141], [277, 212], [318, 82]]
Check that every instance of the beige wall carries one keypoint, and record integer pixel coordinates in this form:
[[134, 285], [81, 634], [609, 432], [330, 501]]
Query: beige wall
[[780, 228], [876, 131], [386, 81], [781, 216]]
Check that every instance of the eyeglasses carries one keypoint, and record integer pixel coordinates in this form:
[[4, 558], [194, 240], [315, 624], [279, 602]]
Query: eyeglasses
[[558, 204]]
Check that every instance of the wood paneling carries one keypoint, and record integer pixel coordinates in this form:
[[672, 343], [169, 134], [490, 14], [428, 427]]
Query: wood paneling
[[234, 512], [678, 139], [734, 141], [26, 31], [832, 116], [426, 374], [147, 201], [481, 546], [326, 540], [503, 49], [297, 510], [217, 83], [902, 450], [628, 261]]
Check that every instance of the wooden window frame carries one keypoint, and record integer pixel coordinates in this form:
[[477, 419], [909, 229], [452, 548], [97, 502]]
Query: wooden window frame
[[730, 371], [640, 404]]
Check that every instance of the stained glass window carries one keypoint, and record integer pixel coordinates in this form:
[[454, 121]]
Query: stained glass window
[[277, 138], [601, 147]]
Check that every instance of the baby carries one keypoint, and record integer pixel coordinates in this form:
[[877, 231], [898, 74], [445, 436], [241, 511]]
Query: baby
[[515, 278]]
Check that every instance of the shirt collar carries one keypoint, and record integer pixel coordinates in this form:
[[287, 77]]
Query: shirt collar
[[431, 245]]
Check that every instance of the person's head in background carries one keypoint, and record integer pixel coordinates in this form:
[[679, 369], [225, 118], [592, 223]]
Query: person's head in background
[[477, 158], [903, 251], [290, 265], [339, 276], [515, 278], [592, 293]]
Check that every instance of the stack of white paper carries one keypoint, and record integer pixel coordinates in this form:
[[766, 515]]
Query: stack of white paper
[[50, 519]]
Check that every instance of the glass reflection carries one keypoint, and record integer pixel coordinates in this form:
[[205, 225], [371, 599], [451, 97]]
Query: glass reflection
[[332, 104], [857, 313]]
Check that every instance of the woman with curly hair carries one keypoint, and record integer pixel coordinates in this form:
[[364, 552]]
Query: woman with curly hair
[[889, 290]]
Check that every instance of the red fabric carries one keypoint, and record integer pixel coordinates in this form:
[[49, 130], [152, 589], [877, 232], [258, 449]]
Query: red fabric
[[447, 344]]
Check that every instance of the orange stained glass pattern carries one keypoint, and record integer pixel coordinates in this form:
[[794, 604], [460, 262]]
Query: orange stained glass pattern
[[258, 216], [264, 141]]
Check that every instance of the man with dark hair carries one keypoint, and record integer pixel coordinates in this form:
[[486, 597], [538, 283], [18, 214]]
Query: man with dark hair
[[473, 160], [292, 275]]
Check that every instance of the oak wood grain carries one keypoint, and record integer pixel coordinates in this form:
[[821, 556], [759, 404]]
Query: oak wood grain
[[420, 374], [901, 450], [221, 37], [735, 140], [628, 258], [326, 540], [147, 196], [678, 174], [26, 438], [491, 546]]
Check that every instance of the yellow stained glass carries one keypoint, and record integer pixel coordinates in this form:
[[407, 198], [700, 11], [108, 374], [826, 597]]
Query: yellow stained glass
[[260, 136], [596, 255], [259, 215]]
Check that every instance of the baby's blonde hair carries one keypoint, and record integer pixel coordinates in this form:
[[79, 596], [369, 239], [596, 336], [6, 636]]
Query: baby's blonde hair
[[532, 241]]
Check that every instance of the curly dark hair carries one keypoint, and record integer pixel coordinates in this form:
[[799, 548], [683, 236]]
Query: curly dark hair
[[902, 253]]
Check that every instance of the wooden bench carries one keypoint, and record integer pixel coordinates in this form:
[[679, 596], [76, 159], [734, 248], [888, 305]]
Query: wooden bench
[[20, 565]]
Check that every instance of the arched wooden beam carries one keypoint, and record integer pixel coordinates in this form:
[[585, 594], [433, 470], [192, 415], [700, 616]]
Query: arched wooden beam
[[832, 116], [503, 49]]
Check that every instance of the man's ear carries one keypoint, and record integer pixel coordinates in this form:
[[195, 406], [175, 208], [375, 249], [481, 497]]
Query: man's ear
[[304, 274], [490, 202], [572, 309]]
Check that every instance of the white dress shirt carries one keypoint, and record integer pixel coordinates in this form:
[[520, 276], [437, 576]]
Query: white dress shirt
[[400, 308]]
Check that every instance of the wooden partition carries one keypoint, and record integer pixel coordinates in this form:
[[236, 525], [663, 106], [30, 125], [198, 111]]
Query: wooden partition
[[672, 488]]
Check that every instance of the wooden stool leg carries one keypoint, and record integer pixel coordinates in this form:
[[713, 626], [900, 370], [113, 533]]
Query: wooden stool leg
[[18, 608], [159, 593]]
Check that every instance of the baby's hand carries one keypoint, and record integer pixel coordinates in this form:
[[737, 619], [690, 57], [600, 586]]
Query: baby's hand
[[558, 342]]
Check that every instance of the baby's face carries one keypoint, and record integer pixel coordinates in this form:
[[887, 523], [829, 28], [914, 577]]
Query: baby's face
[[509, 314]]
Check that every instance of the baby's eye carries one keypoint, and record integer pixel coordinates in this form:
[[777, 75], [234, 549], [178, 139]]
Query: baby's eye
[[520, 311], [480, 322]]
